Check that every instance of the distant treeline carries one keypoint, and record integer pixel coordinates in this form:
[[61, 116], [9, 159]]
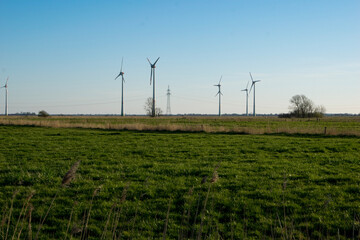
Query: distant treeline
[[24, 114], [280, 115]]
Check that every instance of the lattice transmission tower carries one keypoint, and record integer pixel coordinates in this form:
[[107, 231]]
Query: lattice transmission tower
[[168, 109]]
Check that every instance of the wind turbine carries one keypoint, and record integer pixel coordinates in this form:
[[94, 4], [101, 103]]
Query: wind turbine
[[122, 87], [253, 84], [247, 98], [219, 93], [152, 76], [6, 96]]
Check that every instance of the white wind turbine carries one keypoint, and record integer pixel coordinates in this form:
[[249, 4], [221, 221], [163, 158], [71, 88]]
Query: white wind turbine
[[122, 87], [6, 96], [152, 77], [247, 98], [219, 93], [253, 85]]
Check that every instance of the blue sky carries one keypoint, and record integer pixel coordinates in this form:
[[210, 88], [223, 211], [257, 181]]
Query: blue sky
[[63, 56]]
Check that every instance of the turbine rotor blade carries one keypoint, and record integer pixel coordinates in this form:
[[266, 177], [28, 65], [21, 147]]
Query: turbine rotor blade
[[121, 63], [149, 61], [156, 60], [123, 79], [247, 85], [220, 79], [151, 75], [251, 77], [251, 87], [117, 76]]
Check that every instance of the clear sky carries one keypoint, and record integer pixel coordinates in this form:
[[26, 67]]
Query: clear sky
[[63, 56]]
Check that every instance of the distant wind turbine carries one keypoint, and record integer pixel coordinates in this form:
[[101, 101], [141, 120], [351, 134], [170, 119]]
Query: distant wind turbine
[[247, 98], [122, 87], [6, 96], [219, 93], [152, 77], [253, 85]]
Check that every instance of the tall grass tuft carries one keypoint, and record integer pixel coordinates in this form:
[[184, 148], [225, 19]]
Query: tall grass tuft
[[167, 220], [70, 218], [84, 233], [10, 212], [23, 211], [69, 176], [103, 235], [186, 214], [118, 213], [133, 228], [285, 230], [213, 180], [3, 220], [31, 209], [28, 215]]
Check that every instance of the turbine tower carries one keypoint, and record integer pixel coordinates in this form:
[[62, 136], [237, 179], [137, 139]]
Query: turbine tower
[[6, 96], [247, 98], [152, 76], [253, 85], [122, 87], [219, 93], [168, 109]]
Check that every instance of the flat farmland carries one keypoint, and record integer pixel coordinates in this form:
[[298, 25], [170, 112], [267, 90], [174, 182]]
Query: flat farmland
[[225, 124], [178, 184]]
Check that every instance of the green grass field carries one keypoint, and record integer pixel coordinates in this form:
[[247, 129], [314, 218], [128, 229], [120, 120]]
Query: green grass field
[[275, 186]]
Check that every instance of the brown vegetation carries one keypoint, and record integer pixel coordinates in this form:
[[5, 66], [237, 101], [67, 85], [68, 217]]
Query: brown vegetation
[[135, 125]]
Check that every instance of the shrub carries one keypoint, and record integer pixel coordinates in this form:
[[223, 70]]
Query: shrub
[[43, 113]]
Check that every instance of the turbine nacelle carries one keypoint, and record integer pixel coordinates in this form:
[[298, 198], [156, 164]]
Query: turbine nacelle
[[253, 82], [219, 86], [152, 65], [6, 84]]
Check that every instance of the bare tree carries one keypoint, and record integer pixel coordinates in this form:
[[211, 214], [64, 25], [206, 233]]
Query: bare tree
[[320, 111], [301, 106], [148, 108]]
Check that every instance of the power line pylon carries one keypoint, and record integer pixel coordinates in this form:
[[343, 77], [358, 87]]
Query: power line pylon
[[168, 109]]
